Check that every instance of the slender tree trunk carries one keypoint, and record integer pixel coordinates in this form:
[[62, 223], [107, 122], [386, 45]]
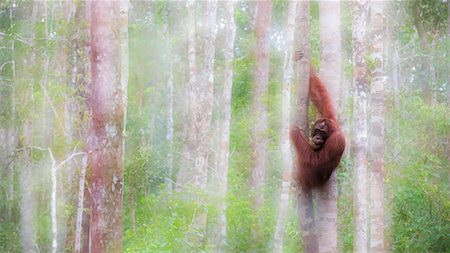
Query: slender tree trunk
[[376, 222], [260, 91], [360, 12], [330, 70], [305, 201], [288, 71], [200, 94], [426, 65], [80, 207], [219, 177], [106, 141], [448, 87], [183, 177], [169, 117], [28, 200]]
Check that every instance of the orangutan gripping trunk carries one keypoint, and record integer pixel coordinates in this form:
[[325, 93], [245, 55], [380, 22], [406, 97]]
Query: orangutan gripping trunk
[[316, 160]]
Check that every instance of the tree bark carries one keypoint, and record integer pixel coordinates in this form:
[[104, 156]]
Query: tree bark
[[259, 130], [305, 201], [360, 12], [106, 134], [330, 71], [376, 221], [288, 70], [426, 65], [183, 177], [169, 117], [80, 206], [219, 177], [448, 88], [260, 91], [200, 92]]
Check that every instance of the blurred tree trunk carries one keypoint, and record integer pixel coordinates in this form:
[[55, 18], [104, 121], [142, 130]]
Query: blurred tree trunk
[[448, 86], [8, 114], [8, 132], [425, 59], [305, 201], [73, 116], [376, 218], [330, 71], [359, 14], [188, 166], [28, 200], [169, 90], [219, 177], [285, 143], [28, 185], [260, 91], [200, 93], [107, 103]]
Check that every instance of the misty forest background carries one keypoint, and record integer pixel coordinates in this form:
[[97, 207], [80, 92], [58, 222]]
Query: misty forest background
[[162, 126]]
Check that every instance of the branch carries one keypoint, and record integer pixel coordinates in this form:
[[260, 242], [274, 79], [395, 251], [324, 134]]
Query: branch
[[70, 158]]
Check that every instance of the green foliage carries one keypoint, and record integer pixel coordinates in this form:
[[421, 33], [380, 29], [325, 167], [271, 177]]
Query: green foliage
[[163, 223], [418, 177], [421, 210], [345, 205], [145, 171], [433, 12]]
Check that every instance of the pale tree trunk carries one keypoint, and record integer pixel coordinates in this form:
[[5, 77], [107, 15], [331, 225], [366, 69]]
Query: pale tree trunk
[[330, 71], [169, 116], [8, 129], [305, 201], [376, 218], [187, 168], [219, 177], [448, 87], [80, 205], [28, 198], [124, 65], [260, 91], [106, 141], [53, 171], [259, 131], [200, 94], [285, 143], [360, 12], [424, 45]]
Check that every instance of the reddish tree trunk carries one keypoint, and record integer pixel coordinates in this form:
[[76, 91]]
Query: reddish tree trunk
[[105, 138]]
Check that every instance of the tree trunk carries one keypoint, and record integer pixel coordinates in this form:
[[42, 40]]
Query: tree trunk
[[288, 70], [106, 141], [260, 91], [169, 116], [80, 205], [219, 177], [305, 202], [448, 87], [330, 71], [425, 66], [376, 220], [200, 94], [28, 200], [360, 12], [188, 169]]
